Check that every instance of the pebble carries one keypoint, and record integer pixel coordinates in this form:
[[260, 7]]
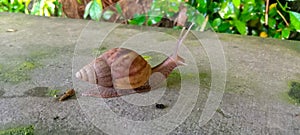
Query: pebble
[[160, 106]]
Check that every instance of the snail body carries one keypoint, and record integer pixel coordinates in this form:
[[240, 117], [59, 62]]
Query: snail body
[[121, 71]]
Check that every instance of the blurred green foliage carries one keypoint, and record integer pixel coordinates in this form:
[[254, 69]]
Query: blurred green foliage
[[93, 9], [12, 6], [45, 8], [245, 17], [33, 7], [159, 9]]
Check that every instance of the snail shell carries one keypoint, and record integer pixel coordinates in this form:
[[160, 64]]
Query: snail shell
[[120, 68]]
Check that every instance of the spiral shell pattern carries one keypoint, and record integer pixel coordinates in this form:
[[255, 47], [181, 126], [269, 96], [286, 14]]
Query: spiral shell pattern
[[119, 68]]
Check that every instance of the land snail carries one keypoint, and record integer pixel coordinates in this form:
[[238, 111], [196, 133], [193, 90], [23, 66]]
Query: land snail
[[121, 71]]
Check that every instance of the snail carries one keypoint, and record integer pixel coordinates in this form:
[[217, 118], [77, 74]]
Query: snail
[[121, 71]]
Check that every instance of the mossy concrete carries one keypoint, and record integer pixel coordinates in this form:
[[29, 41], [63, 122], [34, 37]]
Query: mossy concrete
[[294, 91], [37, 59], [26, 130]]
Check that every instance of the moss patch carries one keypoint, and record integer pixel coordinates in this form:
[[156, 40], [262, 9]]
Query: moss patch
[[43, 92], [17, 68], [294, 91], [285, 97], [28, 130], [205, 79], [291, 95], [53, 93], [175, 78], [40, 55], [37, 92], [18, 73]]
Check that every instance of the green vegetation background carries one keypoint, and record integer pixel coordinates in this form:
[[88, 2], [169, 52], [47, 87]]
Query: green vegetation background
[[245, 17]]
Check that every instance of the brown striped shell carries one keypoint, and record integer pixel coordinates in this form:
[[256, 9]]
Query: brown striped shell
[[119, 68]]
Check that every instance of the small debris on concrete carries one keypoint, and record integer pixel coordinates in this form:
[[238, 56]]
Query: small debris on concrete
[[221, 111], [69, 93], [11, 30], [56, 118], [160, 106]]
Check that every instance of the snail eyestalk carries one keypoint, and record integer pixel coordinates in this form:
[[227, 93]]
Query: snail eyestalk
[[181, 38], [167, 66]]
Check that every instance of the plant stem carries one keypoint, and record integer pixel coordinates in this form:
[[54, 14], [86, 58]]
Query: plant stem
[[267, 12], [287, 24]]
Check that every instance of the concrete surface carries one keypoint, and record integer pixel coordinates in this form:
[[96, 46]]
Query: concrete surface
[[40, 54]]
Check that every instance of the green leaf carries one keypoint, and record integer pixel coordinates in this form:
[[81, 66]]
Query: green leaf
[[58, 8], [119, 9], [79, 1], [107, 14], [87, 10], [241, 27], [213, 7], [51, 7], [5, 8], [137, 19], [199, 19], [202, 6], [154, 16], [249, 2], [236, 3], [272, 23], [228, 10], [216, 23], [154, 20], [254, 32], [281, 25], [169, 14], [36, 8], [248, 13], [99, 3], [295, 20], [273, 12], [224, 27], [191, 14], [277, 35], [285, 33], [95, 11], [173, 6]]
